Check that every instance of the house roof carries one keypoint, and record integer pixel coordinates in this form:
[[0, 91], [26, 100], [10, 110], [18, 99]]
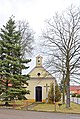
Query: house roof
[[72, 88]]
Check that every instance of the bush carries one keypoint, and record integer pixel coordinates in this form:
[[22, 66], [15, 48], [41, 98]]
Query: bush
[[78, 96], [74, 95]]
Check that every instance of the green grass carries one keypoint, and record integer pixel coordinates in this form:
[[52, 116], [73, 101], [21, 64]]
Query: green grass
[[75, 108]]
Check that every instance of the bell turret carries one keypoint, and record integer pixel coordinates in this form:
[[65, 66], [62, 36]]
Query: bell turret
[[39, 61]]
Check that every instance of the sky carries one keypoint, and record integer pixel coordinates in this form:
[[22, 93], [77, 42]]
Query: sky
[[33, 11]]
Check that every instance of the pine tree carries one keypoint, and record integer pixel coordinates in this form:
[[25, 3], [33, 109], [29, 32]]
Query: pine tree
[[11, 64]]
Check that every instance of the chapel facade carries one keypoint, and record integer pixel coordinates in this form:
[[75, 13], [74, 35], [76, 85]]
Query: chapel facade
[[39, 83]]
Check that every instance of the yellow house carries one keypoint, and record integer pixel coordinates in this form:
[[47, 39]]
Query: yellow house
[[39, 82]]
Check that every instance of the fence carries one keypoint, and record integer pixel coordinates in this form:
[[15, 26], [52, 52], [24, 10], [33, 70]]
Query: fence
[[75, 100]]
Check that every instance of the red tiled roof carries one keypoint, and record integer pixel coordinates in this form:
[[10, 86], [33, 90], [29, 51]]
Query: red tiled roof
[[72, 88]]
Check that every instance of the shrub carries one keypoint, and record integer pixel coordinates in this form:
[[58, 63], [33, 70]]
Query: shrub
[[74, 95], [78, 96]]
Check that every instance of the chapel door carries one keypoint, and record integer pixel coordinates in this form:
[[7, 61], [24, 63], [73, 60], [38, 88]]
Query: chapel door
[[38, 95]]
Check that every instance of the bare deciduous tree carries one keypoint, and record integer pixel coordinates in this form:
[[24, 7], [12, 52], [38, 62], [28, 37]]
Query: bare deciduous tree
[[62, 41], [27, 37]]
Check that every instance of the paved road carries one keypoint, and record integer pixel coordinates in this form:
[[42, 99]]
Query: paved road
[[16, 114]]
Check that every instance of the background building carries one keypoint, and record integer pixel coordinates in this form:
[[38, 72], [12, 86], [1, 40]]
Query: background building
[[75, 89]]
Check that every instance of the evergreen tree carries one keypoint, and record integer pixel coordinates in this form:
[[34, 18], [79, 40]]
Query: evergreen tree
[[62, 86], [57, 93], [51, 94], [11, 64]]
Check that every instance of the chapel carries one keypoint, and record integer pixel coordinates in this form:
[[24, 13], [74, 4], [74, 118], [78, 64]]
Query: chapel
[[39, 83]]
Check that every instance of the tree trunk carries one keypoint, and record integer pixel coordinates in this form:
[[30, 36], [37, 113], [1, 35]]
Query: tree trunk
[[63, 97], [6, 104], [6, 99], [67, 81], [68, 90], [68, 95]]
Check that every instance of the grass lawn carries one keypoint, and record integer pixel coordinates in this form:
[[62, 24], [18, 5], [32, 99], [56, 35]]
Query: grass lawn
[[22, 105], [75, 108], [18, 104]]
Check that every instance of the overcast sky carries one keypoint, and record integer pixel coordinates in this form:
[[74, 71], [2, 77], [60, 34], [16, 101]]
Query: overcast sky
[[33, 11]]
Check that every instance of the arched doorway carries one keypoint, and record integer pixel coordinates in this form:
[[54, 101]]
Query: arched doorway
[[38, 94]]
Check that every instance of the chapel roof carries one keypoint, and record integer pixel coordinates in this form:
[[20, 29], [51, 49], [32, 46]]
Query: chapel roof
[[39, 71]]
